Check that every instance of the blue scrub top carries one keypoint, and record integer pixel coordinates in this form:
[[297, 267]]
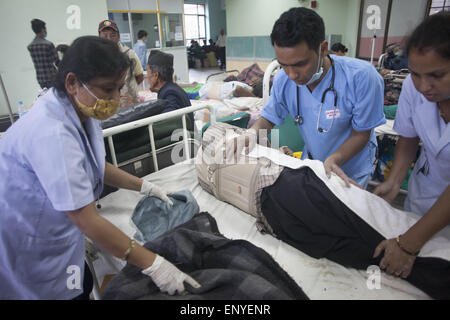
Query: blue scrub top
[[49, 163], [360, 90]]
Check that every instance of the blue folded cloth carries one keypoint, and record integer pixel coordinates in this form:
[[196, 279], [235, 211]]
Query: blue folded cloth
[[153, 217]]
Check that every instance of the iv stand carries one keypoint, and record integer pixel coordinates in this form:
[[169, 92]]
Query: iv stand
[[373, 46], [7, 100]]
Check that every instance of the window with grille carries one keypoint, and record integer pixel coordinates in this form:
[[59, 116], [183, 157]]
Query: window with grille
[[439, 5], [195, 23]]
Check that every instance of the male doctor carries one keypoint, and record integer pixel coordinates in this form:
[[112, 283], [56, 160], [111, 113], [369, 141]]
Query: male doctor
[[334, 101]]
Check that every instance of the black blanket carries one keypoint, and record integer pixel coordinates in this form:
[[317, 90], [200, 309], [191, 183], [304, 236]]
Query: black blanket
[[304, 213], [226, 269]]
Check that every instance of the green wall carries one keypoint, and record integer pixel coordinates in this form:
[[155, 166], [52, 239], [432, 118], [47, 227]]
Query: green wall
[[251, 20], [250, 48], [351, 29], [16, 65], [217, 18]]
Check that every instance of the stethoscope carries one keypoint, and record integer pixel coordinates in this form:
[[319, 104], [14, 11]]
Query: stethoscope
[[299, 119]]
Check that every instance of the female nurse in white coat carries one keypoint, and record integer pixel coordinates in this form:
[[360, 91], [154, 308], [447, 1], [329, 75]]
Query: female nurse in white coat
[[52, 167], [423, 115]]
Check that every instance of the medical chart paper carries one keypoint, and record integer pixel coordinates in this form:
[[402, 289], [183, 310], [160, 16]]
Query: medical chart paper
[[276, 156]]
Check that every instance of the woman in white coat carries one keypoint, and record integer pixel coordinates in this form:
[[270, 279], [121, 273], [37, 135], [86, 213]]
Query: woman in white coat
[[52, 169], [423, 115]]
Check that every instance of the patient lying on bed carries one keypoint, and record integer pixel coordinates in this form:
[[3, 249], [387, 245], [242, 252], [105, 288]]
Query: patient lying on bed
[[318, 216]]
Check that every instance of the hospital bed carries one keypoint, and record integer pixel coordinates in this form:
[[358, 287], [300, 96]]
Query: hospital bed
[[131, 148], [319, 278], [227, 105]]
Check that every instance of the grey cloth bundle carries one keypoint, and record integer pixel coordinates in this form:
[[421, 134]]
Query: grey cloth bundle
[[153, 217], [226, 269]]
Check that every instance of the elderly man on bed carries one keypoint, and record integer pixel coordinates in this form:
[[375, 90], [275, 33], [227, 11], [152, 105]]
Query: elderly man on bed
[[160, 77]]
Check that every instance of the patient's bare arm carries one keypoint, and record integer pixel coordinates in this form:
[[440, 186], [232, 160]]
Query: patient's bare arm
[[243, 92]]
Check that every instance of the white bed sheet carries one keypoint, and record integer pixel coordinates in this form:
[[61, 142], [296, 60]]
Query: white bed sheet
[[319, 278], [387, 128], [228, 107]]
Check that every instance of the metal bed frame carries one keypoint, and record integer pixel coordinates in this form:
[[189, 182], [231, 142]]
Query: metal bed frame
[[266, 79], [108, 133], [220, 76]]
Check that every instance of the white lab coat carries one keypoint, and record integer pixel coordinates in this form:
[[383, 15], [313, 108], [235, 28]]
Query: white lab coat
[[49, 164], [417, 117]]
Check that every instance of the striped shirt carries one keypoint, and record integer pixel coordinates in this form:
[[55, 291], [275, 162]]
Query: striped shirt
[[268, 171]]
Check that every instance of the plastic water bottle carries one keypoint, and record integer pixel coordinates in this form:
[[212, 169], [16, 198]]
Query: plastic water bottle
[[22, 109]]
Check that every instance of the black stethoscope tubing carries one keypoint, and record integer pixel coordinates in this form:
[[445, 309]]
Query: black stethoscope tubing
[[299, 119]]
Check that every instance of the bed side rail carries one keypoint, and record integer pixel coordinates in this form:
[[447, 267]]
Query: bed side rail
[[266, 79], [109, 132]]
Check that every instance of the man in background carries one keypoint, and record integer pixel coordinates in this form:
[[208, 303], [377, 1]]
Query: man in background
[[221, 43], [129, 94], [212, 46], [160, 75], [43, 54], [140, 47]]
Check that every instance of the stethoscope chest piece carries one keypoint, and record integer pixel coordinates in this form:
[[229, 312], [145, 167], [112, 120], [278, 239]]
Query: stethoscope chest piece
[[298, 120]]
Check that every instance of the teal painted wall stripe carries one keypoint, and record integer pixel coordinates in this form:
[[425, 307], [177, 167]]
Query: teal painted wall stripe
[[260, 46], [250, 47]]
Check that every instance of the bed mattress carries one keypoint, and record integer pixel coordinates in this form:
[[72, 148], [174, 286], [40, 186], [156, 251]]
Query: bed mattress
[[319, 278]]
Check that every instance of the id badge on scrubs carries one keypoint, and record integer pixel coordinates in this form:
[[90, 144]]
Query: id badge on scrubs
[[331, 114]]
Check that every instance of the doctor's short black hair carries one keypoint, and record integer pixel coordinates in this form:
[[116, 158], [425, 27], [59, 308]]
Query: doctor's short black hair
[[297, 25], [432, 33], [91, 57]]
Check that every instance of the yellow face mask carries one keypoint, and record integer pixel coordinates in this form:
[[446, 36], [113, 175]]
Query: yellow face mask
[[102, 110]]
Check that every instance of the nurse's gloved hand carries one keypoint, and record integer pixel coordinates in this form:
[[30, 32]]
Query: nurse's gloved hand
[[167, 277], [330, 166], [151, 189], [234, 146]]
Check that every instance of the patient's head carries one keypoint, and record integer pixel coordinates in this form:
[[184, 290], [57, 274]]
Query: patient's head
[[159, 69], [339, 49]]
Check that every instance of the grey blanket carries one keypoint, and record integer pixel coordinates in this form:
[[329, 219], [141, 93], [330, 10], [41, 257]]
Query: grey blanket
[[226, 269], [153, 217]]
